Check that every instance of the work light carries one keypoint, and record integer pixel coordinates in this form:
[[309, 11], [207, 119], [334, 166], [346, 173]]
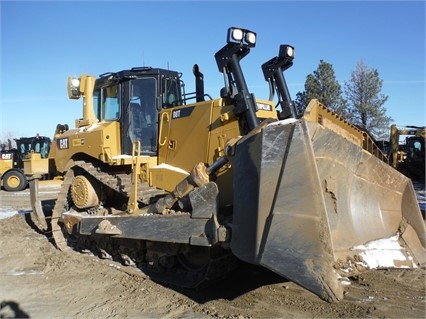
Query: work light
[[237, 34], [74, 88], [241, 36], [75, 82], [286, 51]]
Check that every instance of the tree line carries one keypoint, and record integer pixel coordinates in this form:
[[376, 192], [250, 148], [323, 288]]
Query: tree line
[[360, 102]]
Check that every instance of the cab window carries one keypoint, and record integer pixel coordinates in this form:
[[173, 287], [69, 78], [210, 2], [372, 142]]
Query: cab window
[[110, 107], [171, 93], [96, 101]]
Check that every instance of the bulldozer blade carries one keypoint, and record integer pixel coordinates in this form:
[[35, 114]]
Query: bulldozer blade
[[317, 207], [37, 214], [46, 190]]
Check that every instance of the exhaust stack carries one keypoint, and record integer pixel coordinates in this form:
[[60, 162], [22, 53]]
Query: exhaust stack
[[199, 83]]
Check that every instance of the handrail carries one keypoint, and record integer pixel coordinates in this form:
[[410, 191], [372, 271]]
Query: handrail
[[164, 114]]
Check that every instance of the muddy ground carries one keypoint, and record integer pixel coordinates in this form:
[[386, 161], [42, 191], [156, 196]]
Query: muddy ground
[[38, 281]]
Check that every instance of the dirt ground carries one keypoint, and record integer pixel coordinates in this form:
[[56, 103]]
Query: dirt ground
[[38, 281]]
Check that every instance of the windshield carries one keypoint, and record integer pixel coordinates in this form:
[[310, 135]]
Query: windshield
[[41, 147]]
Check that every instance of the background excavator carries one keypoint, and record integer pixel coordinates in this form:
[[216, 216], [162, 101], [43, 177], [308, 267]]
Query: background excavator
[[11, 162], [184, 190], [408, 156]]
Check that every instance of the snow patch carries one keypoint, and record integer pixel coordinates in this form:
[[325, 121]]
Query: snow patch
[[89, 128], [343, 280], [9, 212], [385, 253], [283, 122]]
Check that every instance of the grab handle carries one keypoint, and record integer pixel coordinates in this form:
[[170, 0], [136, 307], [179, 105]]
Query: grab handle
[[163, 118]]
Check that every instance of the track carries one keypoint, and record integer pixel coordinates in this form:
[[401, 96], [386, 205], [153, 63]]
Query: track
[[176, 264]]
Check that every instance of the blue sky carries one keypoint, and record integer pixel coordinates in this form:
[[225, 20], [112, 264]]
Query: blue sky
[[42, 43]]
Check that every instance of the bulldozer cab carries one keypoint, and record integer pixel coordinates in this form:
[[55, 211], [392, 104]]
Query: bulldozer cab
[[408, 155], [26, 145], [416, 148], [134, 98]]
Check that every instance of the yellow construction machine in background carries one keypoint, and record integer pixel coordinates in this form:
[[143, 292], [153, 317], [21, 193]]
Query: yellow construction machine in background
[[184, 190], [11, 161], [408, 155]]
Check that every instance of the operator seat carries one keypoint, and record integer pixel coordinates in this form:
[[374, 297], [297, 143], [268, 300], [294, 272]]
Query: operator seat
[[135, 117]]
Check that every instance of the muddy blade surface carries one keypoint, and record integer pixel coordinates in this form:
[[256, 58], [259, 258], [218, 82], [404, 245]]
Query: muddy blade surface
[[312, 197]]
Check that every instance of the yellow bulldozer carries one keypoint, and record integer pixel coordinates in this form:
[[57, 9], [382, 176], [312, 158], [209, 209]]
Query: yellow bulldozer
[[185, 190], [408, 156], [12, 174]]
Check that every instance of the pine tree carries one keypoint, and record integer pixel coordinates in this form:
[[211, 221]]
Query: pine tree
[[322, 85], [365, 106]]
